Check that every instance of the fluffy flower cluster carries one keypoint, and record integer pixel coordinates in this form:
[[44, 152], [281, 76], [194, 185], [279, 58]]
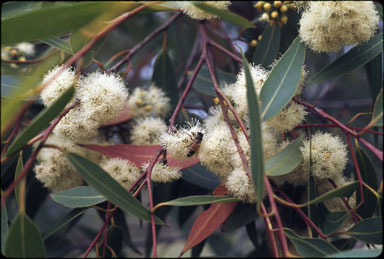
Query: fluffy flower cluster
[[179, 142], [102, 97], [149, 102], [163, 173], [123, 171], [54, 170], [327, 26], [196, 13], [218, 151], [147, 131]]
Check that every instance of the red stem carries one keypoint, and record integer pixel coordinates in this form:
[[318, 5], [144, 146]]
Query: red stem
[[335, 126], [106, 230], [11, 136], [271, 237]]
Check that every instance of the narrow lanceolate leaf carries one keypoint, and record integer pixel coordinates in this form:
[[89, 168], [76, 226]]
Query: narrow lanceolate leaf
[[24, 239], [368, 174], [286, 160], [344, 191], [108, 187], [139, 154], [64, 221], [198, 200], [41, 121], [209, 220], [257, 159], [4, 227], [200, 176], [165, 78], [358, 253], [59, 44], [369, 231], [330, 221], [377, 116], [310, 247], [83, 196], [268, 46], [374, 69], [283, 80], [226, 15], [19, 168], [353, 59]]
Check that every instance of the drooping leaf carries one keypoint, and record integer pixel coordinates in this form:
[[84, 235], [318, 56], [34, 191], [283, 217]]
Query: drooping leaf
[[59, 44], [243, 214], [58, 19], [4, 227], [283, 81], [368, 230], [200, 176], [367, 172], [226, 15], [165, 78], [139, 154], [257, 157], [374, 70], [286, 160], [108, 187], [82, 196], [74, 213], [203, 82], [330, 221], [24, 239], [209, 220], [198, 200], [268, 46], [378, 110], [114, 241], [310, 247], [358, 253], [11, 8], [353, 59], [41, 121], [19, 168], [252, 234]]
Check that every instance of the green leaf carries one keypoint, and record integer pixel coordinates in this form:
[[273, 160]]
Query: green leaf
[[199, 200], [57, 19], [330, 221], [226, 15], [286, 160], [83, 196], [368, 230], [353, 59], [107, 186], [268, 46], [257, 158], [367, 171], [374, 69], [243, 214], [283, 80], [344, 191], [378, 110], [203, 82], [201, 177], [165, 78], [310, 247], [41, 121], [24, 239], [358, 253], [74, 213], [11, 8], [59, 44], [19, 168], [4, 227]]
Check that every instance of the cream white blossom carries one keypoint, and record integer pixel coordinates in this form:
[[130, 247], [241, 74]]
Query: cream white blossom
[[327, 26], [146, 131], [288, 118], [150, 101], [123, 171], [163, 173], [26, 48], [178, 142], [196, 13], [329, 155]]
